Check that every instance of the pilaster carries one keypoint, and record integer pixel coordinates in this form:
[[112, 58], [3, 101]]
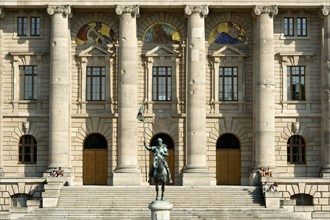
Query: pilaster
[[2, 12], [59, 107], [127, 171], [264, 87], [325, 93], [196, 171]]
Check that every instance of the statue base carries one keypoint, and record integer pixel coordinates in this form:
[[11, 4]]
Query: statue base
[[160, 210]]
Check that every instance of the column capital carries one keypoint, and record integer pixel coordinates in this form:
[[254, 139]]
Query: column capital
[[203, 10], [132, 9], [325, 10], [271, 10], [65, 10]]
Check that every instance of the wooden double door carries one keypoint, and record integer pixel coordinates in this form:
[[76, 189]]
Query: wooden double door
[[228, 171], [95, 167]]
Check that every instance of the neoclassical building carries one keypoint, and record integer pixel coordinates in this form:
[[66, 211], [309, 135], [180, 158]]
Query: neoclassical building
[[230, 87]]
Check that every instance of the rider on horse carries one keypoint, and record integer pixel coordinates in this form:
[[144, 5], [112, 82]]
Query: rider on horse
[[159, 151]]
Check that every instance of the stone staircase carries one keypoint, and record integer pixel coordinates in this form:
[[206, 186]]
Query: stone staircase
[[211, 202]]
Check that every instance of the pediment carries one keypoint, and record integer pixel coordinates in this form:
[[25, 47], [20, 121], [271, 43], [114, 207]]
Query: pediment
[[228, 51], [95, 50], [162, 51]]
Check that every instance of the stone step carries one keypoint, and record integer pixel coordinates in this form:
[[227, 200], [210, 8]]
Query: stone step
[[242, 213]]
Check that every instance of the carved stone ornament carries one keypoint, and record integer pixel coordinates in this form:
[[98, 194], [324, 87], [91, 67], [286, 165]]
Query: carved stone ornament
[[132, 9], [325, 10], [64, 9], [295, 127], [203, 10], [25, 127], [269, 9]]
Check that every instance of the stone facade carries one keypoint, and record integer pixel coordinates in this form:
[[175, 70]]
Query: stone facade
[[123, 41]]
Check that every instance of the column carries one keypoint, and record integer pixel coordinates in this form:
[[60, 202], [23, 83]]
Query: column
[[196, 171], [59, 97], [2, 171], [127, 171], [264, 87], [325, 94]]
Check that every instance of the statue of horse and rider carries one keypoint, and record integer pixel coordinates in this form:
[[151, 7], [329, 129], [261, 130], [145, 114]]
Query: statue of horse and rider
[[159, 171]]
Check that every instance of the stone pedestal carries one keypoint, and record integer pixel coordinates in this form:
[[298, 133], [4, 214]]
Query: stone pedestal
[[160, 210]]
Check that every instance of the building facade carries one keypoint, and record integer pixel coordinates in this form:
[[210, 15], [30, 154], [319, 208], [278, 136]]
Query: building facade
[[229, 87]]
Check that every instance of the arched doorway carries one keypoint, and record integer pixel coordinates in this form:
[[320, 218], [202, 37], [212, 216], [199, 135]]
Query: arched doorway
[[170, 147], [95, 160], [228, 171]]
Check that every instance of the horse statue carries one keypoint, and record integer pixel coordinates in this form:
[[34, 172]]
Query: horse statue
[[159, 176]]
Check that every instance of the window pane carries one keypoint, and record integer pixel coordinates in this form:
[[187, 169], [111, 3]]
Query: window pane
[[21, 26], [162, 83], [95, 83], [228, 83]]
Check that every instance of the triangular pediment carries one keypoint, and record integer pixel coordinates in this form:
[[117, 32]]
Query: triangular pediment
[[94, 50], [228, 51], [161, 51]]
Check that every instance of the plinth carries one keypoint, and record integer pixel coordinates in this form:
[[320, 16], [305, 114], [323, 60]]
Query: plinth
[[160, 210]]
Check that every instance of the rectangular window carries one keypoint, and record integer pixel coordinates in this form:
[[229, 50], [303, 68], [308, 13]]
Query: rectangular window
[[28, 82], [162, 83], [95, 83], [22, 26], [301, 26], [35, 26], [296, 83], [288, 26], [228, 80]]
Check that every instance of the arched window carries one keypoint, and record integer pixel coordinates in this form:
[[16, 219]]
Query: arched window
[[27, 149], [95, 141], [296, 149], [228, 141], [302, 199]]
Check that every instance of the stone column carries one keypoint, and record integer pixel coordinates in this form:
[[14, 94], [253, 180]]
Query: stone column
[[59, 97], [325, 94], [2, 171], [196, 171], [264, 87], [127, 171]]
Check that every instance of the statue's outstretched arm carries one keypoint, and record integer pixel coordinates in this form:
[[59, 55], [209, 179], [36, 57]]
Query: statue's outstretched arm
[[146, 146]]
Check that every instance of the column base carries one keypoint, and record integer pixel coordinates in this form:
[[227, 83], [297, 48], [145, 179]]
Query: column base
[[160, 210], [126, 177], [197, 177]]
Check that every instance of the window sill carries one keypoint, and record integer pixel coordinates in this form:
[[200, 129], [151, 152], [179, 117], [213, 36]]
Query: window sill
[[294, 102], [282, 37]]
